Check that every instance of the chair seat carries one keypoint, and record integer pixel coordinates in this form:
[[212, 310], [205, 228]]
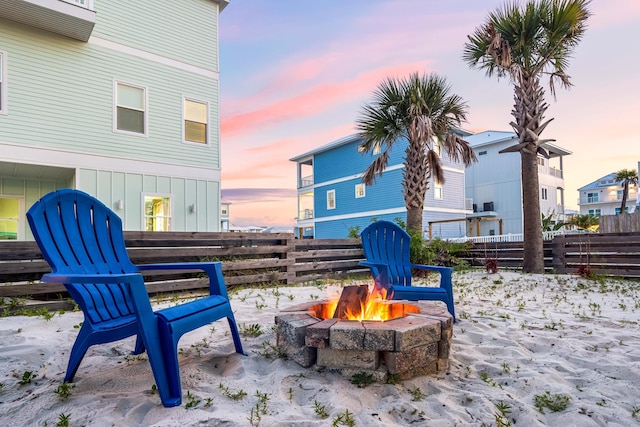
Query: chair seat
[[191, 308]]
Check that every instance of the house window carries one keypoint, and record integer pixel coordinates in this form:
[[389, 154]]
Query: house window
[[544, 194], [626, 210], [376, 148], [224, 209], [360, 192], [595, 212], [130, 105], [9, 214], [619, 194], [157, 213], [482, 153], [437, 190], [541, 161], [331, 199], [3, 83], [592, 197], [195, 119]]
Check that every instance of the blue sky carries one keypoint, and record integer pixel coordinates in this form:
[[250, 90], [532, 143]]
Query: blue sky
[[295, 74]]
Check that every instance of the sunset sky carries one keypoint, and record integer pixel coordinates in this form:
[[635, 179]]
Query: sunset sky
[[295, 74]]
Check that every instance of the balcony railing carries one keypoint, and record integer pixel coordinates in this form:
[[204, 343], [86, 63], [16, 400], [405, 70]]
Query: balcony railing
[[305, 214], [70, 18], [306, 181]]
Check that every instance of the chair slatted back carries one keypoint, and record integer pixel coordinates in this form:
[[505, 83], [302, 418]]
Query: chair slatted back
[[77, 233], [387, 243]]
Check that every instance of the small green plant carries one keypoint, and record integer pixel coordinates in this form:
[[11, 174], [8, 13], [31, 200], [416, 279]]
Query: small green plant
[[344, 419], [553, 402], [635, 411], [393, 379], [192, 401], [320, 410], [253, 330], [27, 377], [416, 394], [270, 351], [290, 393], [502, 416], [239, 395], [63, 420], [362, 379], [64, 390]]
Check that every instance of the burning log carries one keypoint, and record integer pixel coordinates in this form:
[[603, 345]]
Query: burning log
[[351, 301]]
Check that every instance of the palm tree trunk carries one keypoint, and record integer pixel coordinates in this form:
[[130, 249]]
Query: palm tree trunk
[[415, 176], [533, 244], [625, 191]]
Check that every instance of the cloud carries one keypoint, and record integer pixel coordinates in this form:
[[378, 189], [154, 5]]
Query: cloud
[[255, 195], [315, 100]]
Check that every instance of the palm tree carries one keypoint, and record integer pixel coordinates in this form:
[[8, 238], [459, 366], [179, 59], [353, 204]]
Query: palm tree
[[526, 43], [585, 222], [420, 109], [628, 177]]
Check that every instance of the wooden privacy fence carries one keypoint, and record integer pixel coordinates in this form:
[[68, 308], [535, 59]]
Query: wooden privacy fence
[[248, 258], [253, 258], [623, 223]]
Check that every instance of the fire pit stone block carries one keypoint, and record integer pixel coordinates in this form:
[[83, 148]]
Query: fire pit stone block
[[412, 362], [293, 327], [378, 336], [366, 360], [347, 335], [413, 331], [303, 355]]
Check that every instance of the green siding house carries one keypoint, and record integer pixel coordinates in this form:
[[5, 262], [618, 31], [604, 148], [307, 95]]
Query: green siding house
[[119, 99]]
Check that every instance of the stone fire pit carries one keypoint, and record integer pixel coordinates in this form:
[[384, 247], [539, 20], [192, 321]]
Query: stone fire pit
[[416, 342]]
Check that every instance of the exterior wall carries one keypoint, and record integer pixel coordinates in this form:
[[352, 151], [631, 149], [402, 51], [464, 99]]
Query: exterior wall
[[340, 169], [60, 113], [496, 178], [608, 200]]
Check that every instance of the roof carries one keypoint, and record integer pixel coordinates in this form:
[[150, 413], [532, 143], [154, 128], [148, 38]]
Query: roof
[[346, 140], [337, 143], [605, 181], [489, 137]]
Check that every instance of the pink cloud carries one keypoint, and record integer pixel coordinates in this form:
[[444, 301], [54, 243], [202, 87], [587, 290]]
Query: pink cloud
[[315, 100]]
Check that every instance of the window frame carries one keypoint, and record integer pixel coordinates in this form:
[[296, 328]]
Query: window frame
[[544, 194], [207, 124], [144, 212], [593, 197], [3, 83], [145, 110], [363, 193], [438, 190], [331, 199]]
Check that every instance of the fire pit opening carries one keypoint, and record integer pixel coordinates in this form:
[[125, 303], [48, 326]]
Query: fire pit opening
[[364, 332]]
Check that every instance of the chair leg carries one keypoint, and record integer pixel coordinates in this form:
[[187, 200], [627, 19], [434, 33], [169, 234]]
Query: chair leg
[[139, 348], [235, 334], [79, 349]]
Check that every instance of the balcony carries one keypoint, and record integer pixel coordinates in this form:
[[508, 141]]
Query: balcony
[[71, 18]]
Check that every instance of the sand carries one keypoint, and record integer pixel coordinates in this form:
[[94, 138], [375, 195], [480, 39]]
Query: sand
[[522, 343]]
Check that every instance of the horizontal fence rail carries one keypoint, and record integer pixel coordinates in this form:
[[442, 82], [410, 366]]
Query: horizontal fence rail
[[279, 258]]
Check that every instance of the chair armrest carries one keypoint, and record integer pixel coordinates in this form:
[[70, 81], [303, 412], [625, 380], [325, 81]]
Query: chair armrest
[[91, 278], [212, 269]]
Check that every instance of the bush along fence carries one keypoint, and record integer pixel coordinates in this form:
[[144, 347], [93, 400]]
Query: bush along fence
[[278, 258]]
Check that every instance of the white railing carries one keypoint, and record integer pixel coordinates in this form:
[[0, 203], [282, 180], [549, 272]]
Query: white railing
[[306, 181], [515, 237]]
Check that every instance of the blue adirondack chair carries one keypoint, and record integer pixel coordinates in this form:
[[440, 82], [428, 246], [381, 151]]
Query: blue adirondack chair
[[82, 241], [386, 247]]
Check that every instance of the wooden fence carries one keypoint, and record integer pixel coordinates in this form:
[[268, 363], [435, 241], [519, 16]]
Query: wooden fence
[[624, 223], [254, 258], [248, 258]]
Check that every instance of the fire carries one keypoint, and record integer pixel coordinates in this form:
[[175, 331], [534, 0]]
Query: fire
[[372, 308]]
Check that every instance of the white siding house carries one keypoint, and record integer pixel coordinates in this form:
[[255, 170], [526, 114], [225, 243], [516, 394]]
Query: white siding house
[[116, 98], [604, 197], [494, 184]]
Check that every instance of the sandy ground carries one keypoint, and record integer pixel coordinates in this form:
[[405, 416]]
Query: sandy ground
[[524, 345]]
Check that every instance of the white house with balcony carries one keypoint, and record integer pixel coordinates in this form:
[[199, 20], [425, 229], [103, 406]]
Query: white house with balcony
[[604, 197], [494, 183]]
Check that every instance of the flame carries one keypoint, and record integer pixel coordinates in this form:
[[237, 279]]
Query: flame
[[374, 308]]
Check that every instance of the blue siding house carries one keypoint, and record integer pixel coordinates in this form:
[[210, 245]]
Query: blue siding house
[[119, 99], [332, 199]]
